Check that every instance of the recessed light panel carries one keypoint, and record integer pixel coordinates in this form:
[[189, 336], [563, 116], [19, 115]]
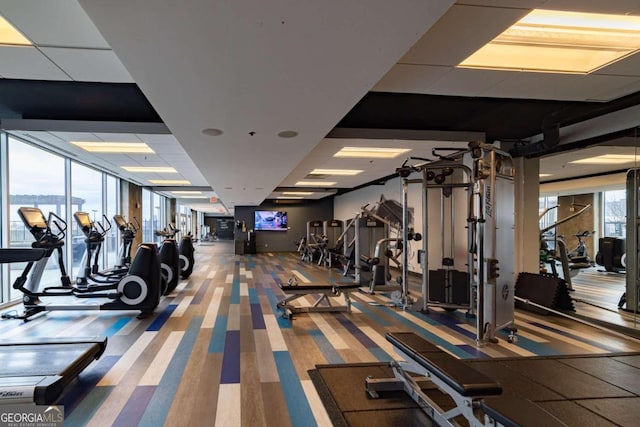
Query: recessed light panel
[[608, 159], [297, 193], [10, 35], [560, 42], [148, 169], [170, 181], [346, 172], [315, 183], [113, 147], [371, 152]]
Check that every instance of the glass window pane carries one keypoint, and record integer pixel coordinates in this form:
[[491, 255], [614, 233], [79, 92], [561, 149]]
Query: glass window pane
[[37, 179], [147, 226], [615, 213], [112, 208], [86, 193]]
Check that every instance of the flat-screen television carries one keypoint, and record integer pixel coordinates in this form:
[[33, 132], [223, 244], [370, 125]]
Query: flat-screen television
[[270, 220]]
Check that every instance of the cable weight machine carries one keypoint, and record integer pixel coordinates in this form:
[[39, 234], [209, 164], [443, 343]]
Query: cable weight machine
[[476, 267], [493, 226]]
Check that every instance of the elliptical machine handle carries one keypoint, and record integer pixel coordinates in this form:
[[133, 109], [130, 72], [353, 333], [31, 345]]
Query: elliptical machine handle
[[60, 224], [135, 227], [104, 229]]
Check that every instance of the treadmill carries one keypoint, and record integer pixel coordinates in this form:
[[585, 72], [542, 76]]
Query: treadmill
[[36, 370]]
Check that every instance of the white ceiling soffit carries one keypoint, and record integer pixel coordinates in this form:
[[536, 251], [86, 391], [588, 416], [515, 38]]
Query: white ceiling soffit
[[429, 67], [253, 69]]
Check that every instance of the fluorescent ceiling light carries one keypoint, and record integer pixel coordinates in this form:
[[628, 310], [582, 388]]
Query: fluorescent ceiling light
[[192, 197], [607, 159], [544, 175], [297, 193], [10, 35], [346, 172], [560, 42], [315, 183], [170, 181], [186, 192], [113, 147], [159, 169], [289, 197], [371, 152]]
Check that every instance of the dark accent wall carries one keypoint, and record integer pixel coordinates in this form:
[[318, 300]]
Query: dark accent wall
[[222, 226], [297, 217]]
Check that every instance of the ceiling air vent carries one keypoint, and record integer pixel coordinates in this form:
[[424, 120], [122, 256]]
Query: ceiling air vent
[[316, 176]]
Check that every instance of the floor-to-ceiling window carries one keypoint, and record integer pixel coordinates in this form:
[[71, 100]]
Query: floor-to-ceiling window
[[158, 222], [614, 213], [147, 216], [547, 209], [36, 178], [112, 207], [86, 193], [154, 218]]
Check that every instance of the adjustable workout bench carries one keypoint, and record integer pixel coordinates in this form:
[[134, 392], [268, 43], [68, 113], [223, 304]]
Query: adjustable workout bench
[[469, 389], [296, 290]]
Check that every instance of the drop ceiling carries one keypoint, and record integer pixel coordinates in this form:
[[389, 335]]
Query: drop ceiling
[[334, 72]]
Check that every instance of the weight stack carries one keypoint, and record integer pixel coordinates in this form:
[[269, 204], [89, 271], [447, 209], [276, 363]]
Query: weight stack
[[543, 289], [457, 291]]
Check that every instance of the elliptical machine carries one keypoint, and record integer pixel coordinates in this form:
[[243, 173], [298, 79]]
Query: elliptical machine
[[186, 251], [128, 232], [580, 254], [139, 289], [169, 260], [94, 233]]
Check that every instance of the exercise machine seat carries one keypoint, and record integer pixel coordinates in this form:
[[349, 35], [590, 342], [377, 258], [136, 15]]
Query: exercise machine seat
[[461, 377]]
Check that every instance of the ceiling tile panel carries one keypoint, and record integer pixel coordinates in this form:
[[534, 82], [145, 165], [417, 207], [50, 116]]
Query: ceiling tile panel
[[168, 150], [629, 66], [410, 78], [608, 94], [117, 137], [28, 63], [621, 7], [459, 33], [158, 138], [568, 87], [506, 3], [89, 64], [466, 82], [53, 23], [76, 136]]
